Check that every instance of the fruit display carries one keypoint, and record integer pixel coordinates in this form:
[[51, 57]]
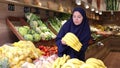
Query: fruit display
[[45, 62], [20, 52], [37, 25], [42, 62], [96, 63], [67, 62], [72, 41], [60, 61], [73, 63], [48, 50]]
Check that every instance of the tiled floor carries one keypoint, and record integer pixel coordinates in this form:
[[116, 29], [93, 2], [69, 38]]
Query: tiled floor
[[112, 60]]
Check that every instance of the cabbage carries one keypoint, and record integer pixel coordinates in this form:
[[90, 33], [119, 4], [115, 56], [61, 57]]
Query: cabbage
[[22, 30], [38, 30], [31, 31], [42, 36], [33, 24], [36, 37], [26, 27], [28, 37]]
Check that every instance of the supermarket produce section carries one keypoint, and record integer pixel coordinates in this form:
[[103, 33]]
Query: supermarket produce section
[[28, 31]]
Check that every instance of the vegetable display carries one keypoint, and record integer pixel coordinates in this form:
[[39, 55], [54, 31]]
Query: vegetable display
[[38, 29]]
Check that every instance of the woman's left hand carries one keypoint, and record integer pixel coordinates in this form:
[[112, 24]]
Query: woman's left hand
[[63, 42]]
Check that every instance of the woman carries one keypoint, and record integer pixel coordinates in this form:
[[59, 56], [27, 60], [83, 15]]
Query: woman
[[77, 24]]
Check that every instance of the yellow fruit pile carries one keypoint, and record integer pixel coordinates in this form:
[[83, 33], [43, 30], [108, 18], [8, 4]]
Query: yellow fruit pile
[[93, 63], [20, 52], [72, 41], [60, 61], [66, 62], [73, 63]]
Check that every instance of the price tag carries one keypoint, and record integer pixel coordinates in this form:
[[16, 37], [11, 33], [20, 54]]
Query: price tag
[[11, 7], [37, 10], [27, 9], [47, 13]]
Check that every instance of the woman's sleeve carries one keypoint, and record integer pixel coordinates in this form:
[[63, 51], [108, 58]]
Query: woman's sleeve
[[61, 48], [85, 44]]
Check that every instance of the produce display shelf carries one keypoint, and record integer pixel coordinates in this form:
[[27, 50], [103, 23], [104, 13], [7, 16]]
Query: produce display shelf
[[10, 22], [52, 29], [31, 5]]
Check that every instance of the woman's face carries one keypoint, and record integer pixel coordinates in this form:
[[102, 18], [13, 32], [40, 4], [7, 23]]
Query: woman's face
[[77, 18]]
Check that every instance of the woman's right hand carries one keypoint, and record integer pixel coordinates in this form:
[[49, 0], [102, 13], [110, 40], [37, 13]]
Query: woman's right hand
[[63, 42]]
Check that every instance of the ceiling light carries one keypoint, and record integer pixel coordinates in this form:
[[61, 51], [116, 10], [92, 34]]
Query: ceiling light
[[92, 9], [86, 6], [96, 11], [100, 13], [78, 2]]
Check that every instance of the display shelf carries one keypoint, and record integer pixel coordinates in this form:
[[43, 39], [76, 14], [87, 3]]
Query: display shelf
[[52, 29], [111, 44], [30, 5], [99, 51], [10, 22], [12, 27]]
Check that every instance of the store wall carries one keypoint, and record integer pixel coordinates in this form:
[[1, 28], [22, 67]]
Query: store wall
[[6, 36]]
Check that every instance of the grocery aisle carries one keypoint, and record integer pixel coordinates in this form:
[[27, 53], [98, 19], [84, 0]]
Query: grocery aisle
[[113, 60]]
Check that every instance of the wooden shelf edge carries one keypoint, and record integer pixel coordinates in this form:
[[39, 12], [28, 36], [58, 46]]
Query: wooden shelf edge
[[30, 5], [12, 27]]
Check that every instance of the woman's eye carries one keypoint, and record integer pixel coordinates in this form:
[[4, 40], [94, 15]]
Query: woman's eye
[[79, 16], [74, 16]]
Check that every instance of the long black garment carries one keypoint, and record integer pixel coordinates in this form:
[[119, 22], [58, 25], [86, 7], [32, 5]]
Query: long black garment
[[82, 31]]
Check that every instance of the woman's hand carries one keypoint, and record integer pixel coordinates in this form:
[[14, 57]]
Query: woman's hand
[[63, 42]]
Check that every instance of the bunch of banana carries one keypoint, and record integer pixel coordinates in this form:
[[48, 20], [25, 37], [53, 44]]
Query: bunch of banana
[[96, 63], [72, 41], [73, 63], [86, 66], [60, 61]]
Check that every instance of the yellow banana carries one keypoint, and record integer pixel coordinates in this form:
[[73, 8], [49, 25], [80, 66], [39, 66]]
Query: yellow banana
[[94, 65], [101, 63], [86, 66], [65, 58], [75, 61], [69, 42], [72, 41], [68, 65], [56, 62], [95, 61], [73, 36]]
